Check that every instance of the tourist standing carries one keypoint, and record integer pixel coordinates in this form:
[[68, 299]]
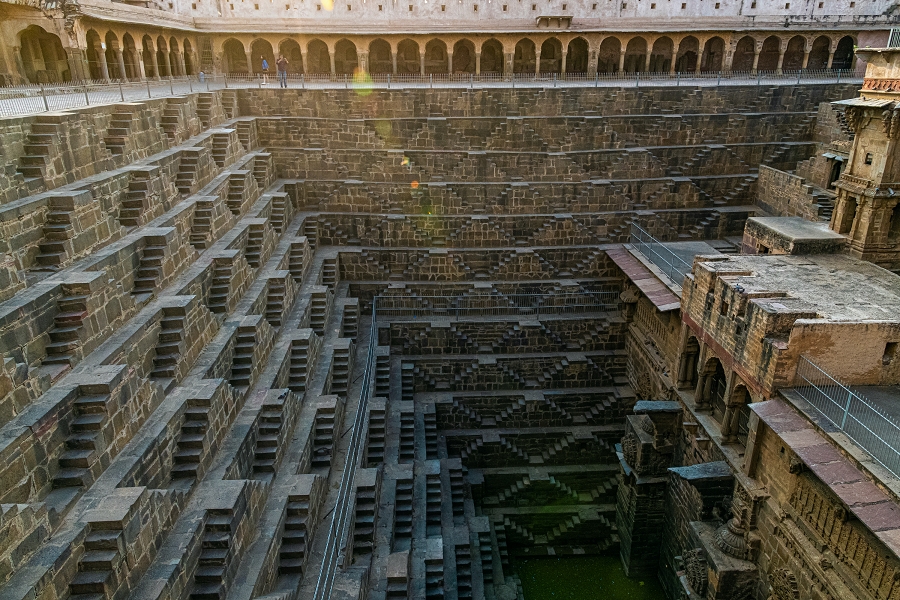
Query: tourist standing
[[281, 65], [265, 70]]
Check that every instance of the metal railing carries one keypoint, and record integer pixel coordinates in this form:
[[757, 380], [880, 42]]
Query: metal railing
[[519, 305], [337, 530], [874, 430], [674, 267], [37, 98], [894, 39]]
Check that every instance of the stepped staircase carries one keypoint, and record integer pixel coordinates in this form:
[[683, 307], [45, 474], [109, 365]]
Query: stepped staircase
[[192, 440], [84, 442]]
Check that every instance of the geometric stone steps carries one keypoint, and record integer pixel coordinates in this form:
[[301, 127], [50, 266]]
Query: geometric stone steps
[[323, 434], [375, 443], [292, 553], [82, 446], [150, 269], [191, 444], [118, 132], [271, 419], [407, 441], [245, 343], [169, 346], [98, 568], [433, 504], [403, 514], [136, 201], [65, 336]]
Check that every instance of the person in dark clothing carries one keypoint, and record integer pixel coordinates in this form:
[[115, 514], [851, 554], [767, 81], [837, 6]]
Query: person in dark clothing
[[281, 65], [265, 70]]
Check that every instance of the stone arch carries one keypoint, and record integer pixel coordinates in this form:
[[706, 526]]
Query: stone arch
[[739, 402], [688, 51], [408, 57], [743, 54], [635, 55], [608, 55], [712, 386], [436, 57], [234, 57], [713, 54], [188, 57], [380, 61], [768, 56], [43, 56], [162, 57], [149, 55], [577, 56], [346, 59], [793, 55], [818, 53], [464, 57], [93, 51], [687, 371], [524, 57], [112, 58], [661, 55], [175, 57], [492, 56], [551, 56], [318, 59], [291, 51], [843, 53], [260, 49], [130, 56]]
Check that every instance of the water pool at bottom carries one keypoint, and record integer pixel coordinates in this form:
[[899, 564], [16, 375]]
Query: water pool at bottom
[[583, 578]]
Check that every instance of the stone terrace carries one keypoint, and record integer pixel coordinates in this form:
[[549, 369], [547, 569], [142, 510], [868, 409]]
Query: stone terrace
[[186, 291]]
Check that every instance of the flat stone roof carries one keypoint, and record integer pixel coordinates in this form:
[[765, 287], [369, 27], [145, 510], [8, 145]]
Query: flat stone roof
[[834, 286], [797, 229]]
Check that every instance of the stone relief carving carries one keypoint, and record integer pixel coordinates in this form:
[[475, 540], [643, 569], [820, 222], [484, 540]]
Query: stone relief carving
[[890, 121], [696, 570], [784, 585]]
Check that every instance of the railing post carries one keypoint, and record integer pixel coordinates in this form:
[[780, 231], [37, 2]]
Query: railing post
[[303, 81], [171, 87], [678, 79], [597, 79], [44, 96], [87, 100], [389, 81], [190, 85], [846, 410], [839, 76], [148, 89], [121, 93], [719, 79], [637, 79], [225, 79]]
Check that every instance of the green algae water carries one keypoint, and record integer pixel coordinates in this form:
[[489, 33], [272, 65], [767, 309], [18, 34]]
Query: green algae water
[[583, 578]]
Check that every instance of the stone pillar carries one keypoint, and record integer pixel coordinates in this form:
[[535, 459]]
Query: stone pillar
[[331, 56], [76, 60], [780, 59], [622, 60], [699, 58], [674, 57], [562, 64], [537, 62], [592, 63], [139, 61], [756, 52], [830, 58], [250, 63], [120, 59], [154, 62], [20, 64], [101, 59], [647, 59], [422, 63], [394, 62], [450, 62], [363, 61], [805, 59], [509, 65], [478, 63], [647, 451]]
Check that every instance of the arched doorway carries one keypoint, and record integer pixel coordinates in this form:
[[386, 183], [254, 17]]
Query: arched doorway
[[635, 55], [188, 58], [43, 56], [149, 53], [687, 374], [608, 55], [112, 56], [380, 61], [93, 51], [162, 57], [661, 55], [290, 50], [688, 52], [130, 56], [464, 57], [408, 57], [843, 54], [551, 56], [318, 59], [524, 57], [713, 54], [743, 54], [768, 56], [234, 57], [793, 56], [818, 54], [435, 57], [259, 50], [577, 57], [492, 57], [346, 60], [175, 59], [711, 388]]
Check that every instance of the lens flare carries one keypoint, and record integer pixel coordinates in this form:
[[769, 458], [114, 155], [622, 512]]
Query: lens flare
[[362, 82], [414, 185], [328, 4]]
